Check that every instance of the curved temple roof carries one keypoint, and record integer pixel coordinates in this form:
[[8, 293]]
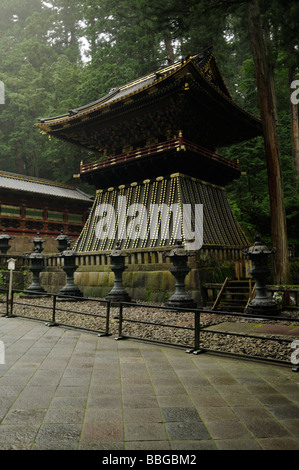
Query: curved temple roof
[[189, 96], [28, 184]]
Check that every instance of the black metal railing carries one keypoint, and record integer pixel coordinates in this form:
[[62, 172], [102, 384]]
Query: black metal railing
[[192, 347], [53, 307], [196, 332], [199, 329]]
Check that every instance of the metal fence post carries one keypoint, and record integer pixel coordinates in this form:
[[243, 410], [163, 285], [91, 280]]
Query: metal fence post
[[120, 320], [9, 309], [53, 321], [107, 318], [7, 303], [195, 349], [106, 333], [196, 332]]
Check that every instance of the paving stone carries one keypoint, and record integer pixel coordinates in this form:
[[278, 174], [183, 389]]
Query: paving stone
[[18, 446], [144, 431], [187, 430], [137, 389], [139, 415], [279, 444], [202, 399], [148, 445], [109, 446], [71, 416], [182, 400], [68, 402], [219, 413], [193, 445], [292, 425], [18, 433], [140, 401], [276, 399], [266, 428], [169, 390], [103, 415], [237, 444], [15, 416], [25, 402], [180, 414], [70, 390], [246, 412], [56, 432], [59, 444], [284, 411], [227, 430], [102, 432], [261, 389], [287, 388]]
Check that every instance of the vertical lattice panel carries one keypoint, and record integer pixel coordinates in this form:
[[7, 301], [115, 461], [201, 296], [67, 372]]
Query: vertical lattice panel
[[220, 228]]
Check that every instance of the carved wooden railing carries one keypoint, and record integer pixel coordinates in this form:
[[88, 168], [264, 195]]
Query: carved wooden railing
[[174, 144]]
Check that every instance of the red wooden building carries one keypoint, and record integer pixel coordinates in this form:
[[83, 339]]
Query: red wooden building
[[29, 205]]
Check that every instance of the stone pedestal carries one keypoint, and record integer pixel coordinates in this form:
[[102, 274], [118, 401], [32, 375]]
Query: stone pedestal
[[69, 267], [261, 304], [118, 293], [36, 266], [180, 269], [63, 241]]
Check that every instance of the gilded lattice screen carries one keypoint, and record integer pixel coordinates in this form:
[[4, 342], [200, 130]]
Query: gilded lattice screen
[[220, 227]]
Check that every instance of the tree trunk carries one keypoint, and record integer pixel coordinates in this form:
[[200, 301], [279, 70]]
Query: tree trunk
[[93, 38], [169, 49], [267, 102], [20, 164]]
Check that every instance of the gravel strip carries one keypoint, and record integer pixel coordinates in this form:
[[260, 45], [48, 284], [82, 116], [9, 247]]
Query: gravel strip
[[93, 317]]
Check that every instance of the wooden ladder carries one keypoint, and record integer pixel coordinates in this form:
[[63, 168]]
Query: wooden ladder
[[234, 295]]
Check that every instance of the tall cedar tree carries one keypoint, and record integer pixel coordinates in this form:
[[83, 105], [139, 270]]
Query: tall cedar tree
[[267, 100]]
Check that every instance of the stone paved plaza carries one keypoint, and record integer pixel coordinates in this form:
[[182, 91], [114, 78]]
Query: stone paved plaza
[[64, 389]]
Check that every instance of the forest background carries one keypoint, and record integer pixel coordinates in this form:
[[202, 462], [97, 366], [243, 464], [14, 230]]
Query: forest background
[[60, 54]]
